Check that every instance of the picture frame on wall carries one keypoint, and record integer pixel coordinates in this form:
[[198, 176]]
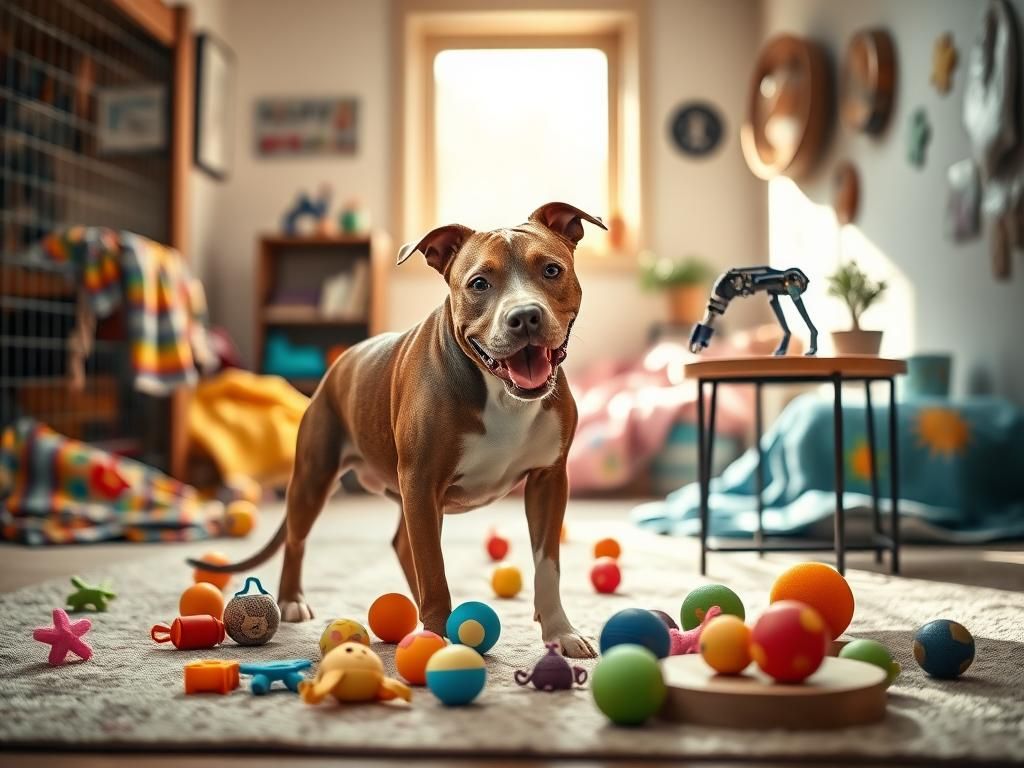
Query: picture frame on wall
[[131, 120], [215, 106], [306, 126]]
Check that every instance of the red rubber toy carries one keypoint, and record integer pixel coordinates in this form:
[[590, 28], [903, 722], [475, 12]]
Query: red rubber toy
[[497, 546], [605, 575], [789, 641]]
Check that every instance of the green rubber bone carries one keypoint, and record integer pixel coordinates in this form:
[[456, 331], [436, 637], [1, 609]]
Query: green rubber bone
[[86, 595]]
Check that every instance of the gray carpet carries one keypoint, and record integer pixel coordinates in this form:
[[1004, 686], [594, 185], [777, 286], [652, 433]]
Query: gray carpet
[[130, 696]]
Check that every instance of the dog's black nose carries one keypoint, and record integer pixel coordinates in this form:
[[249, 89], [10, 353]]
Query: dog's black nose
[[523, 320]]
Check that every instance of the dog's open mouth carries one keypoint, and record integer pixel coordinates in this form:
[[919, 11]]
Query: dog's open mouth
[[529, 371]]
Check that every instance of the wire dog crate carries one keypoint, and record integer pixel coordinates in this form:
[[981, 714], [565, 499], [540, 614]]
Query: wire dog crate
[[58, 60]]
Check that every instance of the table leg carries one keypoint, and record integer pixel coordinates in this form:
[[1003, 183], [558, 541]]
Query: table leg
[[702, 480], [894, 478], [759, 429], [709, 458], [875, 511], [840, 522]]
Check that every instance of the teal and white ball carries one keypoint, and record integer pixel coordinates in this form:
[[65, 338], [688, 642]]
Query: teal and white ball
[[456, 675]]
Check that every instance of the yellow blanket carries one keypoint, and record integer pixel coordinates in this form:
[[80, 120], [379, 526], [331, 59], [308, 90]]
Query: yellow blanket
[[248, 424]]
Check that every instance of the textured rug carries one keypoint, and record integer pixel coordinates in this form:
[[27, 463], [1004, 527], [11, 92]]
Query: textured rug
[[130, 695]]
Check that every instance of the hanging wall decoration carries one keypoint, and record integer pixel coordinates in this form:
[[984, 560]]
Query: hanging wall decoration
[[787, 108], [944, 60], [846, 192], [869, 81], [963, 215], [919, 133], [696, 128]]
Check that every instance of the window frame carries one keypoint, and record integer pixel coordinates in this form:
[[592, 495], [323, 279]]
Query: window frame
[[422, 28]]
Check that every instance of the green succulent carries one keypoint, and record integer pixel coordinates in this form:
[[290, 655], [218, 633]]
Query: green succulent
[[851, 284], [658, 273]]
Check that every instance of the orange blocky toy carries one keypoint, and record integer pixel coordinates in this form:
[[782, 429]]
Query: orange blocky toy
[[211, 676]]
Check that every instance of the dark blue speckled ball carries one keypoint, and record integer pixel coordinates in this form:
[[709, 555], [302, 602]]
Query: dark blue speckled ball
[[944, 648], [635, 626]]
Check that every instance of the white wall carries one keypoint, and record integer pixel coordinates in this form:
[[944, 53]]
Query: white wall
[[713, 207], [316, 47], [945, 297]]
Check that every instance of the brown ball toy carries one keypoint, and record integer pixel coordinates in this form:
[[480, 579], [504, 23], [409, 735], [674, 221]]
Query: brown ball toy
[[251, 618]]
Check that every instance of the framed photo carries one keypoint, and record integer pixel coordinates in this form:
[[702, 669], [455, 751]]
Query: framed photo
[[286, 127], [215, 106], [131, 119]]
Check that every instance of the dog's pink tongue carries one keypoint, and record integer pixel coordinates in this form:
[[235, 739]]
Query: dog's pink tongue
[[529, 367]]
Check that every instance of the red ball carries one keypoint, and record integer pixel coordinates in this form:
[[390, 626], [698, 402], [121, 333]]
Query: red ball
[[497, 546], [605, 575], [789, 641]]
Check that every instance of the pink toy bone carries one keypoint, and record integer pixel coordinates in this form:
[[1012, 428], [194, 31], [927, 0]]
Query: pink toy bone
[[64, 636], [689, 641]]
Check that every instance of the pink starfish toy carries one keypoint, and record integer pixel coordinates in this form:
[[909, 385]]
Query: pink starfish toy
[[64, 636], [689, 641]]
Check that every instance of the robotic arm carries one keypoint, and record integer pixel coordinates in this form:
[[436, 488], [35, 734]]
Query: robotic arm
[[746, 281]]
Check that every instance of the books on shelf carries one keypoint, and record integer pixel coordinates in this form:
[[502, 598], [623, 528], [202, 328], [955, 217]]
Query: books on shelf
[[347, 294]]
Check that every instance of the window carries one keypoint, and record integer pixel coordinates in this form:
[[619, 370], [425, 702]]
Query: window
[[516, 127]]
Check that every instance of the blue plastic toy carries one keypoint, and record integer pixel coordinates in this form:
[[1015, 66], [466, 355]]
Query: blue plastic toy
[[265, 673], [292, 361], [944, 648], [636, 626], [474, 624]]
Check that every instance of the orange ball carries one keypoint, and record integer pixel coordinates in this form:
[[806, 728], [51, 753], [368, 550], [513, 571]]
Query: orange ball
[[202, 599], [725, 644], [506, 580], [392, 617], [219, 580], [823, 588], [241, 517], [607, 548], [413, 653]]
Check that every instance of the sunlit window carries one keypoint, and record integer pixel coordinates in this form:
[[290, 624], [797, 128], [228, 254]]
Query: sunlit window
[[514, 128]]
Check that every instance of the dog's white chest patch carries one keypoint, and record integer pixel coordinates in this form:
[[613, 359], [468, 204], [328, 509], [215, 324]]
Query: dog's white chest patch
[[519, 436]]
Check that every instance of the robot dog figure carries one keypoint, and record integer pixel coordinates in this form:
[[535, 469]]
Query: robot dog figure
[[746, 281]]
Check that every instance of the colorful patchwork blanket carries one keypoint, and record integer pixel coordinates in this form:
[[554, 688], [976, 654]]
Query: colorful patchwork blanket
[[55, 490], [961, 474], [165, 306]]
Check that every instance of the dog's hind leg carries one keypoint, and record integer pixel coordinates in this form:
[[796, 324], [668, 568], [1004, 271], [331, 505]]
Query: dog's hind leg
[[404, 551], [317, 462]]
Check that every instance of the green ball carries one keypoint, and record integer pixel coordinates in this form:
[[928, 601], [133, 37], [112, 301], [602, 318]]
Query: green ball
[[875, 653], [627, 685], [700, 599]]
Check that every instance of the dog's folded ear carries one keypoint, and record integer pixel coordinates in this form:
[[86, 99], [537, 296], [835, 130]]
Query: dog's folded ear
[[564, 220], [439, 246]]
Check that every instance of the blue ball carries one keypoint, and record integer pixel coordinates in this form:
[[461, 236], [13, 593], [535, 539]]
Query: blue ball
[[943, 648], [474, 624], [456, 675], [636, 626]]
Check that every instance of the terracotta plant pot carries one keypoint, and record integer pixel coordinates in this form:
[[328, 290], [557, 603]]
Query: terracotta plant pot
[[857, 342], [686, 303]]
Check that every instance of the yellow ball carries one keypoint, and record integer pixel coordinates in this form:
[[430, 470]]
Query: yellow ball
[[241, 517], [506, 580], [342, 631], [725, 644]]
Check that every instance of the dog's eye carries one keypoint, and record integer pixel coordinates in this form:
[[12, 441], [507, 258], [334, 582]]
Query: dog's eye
[[479, 284], [552, 271]]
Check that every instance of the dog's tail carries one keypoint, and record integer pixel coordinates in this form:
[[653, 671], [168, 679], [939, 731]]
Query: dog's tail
[[268, 551]]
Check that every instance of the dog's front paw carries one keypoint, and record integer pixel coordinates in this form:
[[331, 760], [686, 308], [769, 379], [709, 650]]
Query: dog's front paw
[[295, 610], [573, 644]]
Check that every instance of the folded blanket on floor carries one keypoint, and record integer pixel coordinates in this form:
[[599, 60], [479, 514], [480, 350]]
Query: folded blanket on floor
[[165, 306], [248, 424], [961, 474], [55, 490]]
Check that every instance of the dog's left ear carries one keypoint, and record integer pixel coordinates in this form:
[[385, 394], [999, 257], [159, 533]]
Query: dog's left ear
[[565, 220], [439, 246]]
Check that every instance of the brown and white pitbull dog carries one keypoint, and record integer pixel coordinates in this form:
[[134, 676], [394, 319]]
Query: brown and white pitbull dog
[[454, 413]]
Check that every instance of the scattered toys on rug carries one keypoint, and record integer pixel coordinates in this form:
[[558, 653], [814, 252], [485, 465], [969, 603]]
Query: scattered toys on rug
[[349, 673], [86, 595], [64, 637], [190, 633], [252, 618], [265, 674], [392, 617], [456, 675], [506, 580], [552, 672]]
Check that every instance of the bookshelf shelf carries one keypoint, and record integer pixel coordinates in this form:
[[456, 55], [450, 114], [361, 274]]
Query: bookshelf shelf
[[317, 294]]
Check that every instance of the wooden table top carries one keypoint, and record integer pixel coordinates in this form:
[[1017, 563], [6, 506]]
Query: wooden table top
[[770, 366]]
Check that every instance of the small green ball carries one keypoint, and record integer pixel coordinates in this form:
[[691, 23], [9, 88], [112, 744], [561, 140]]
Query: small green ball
[[700, 599], [627, 685], [875, 653]]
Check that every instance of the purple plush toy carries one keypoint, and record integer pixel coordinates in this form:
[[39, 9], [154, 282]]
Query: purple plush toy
[[552, 673]]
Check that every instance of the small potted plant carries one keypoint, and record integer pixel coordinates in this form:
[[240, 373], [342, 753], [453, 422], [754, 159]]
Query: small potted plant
[[684, 281], [858, 292]]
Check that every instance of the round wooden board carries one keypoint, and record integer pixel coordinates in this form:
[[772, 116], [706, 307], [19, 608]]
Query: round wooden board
[[843, 692]]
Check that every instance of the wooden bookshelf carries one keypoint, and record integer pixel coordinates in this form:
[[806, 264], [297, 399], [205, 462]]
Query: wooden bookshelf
[[290, 276]]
